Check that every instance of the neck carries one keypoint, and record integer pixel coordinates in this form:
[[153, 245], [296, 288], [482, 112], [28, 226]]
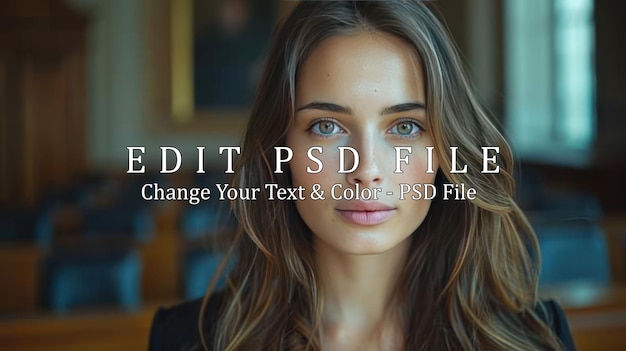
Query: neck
[[359, 290]]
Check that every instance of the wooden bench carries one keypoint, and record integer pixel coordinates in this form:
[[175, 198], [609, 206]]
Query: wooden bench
[[94, 331], [596, 314]]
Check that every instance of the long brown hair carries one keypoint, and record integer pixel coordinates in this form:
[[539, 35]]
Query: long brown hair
[[470, 281]]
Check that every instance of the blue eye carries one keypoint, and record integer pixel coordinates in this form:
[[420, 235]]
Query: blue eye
[[406, 128], [325, 128]]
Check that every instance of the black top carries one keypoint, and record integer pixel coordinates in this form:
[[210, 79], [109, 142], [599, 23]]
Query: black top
[[176, 328]]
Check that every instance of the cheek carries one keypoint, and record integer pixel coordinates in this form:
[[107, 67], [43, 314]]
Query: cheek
[[300, 163], [415, 172]]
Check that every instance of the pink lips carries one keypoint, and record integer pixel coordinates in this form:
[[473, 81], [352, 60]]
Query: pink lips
[[365, 213]]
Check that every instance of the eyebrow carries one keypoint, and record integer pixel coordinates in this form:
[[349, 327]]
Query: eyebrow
[[409, 106], [327, 106]]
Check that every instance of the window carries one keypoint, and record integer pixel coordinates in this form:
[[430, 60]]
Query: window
[[549, 70]]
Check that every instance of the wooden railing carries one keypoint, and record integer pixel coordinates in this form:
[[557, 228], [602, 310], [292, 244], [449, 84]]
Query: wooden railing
[[94, 331]]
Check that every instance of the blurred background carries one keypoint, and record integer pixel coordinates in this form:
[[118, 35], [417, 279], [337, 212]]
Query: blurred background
[[85, 262]]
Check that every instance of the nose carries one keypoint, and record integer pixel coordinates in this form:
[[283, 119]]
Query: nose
[[369, 172]]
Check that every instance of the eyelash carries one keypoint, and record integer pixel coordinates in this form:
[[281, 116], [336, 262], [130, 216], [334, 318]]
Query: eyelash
[[416, 124], [316, 124]]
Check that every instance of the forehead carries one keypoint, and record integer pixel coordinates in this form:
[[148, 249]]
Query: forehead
[[363, 65]]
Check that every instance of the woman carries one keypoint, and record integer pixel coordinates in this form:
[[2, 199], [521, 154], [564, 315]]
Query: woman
[[385, 274]]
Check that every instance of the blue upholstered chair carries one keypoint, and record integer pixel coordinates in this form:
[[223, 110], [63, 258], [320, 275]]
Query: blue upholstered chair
[[85, 277], [573, 251], [198, 269], [28, 225], [130, 221], [198, 221]]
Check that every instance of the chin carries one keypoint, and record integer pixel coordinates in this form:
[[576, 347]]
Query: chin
[[369, 244]]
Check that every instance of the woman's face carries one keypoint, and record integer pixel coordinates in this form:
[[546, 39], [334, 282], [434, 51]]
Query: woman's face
[[364, 91]]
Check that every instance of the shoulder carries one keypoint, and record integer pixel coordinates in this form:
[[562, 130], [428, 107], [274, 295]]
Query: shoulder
[[552, 314], [176, 328]]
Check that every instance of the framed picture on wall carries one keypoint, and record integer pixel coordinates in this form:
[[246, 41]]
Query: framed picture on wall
[[205, 60]]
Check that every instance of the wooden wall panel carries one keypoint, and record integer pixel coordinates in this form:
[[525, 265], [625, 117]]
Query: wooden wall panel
[[12, 149], [42, 87]]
